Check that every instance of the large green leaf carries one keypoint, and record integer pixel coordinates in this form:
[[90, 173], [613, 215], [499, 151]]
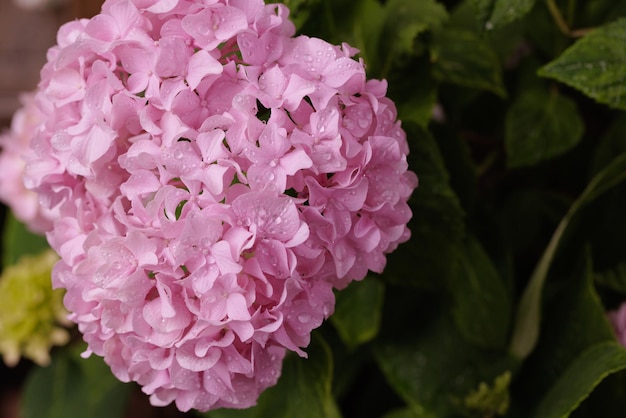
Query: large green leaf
[[303, 390], [74, 387], [433, 368], [528, 317], [498, 13], [540, 126], [574, 320], [480, 69], [17, 241], [585, 373], [482, 304], [595, 65], [414, 90], [405, 20], [438, 222], [358, 311]]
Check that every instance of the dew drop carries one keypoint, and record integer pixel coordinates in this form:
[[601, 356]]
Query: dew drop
[[304, 318]]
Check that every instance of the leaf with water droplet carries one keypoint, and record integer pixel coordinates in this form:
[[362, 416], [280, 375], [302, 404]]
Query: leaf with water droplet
[[452, 64], [493, 14], [595, 65]]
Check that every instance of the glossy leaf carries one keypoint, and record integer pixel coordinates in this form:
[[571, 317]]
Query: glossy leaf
[[358, 311], [595, 65], [528, 318], [585, 373], [482, 304], [404, 22], [574, 320], [435, 369], [452, 64], [498, 13], [539, 127], [74, 387], [17, 241], [438, 222]]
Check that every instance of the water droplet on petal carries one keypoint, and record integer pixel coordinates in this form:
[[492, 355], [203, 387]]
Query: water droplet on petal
[[304, 318]]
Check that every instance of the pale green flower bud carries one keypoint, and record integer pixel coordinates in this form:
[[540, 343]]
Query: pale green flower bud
[[32, 316]]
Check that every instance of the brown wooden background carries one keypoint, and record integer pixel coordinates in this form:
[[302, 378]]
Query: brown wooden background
[[25, 37]]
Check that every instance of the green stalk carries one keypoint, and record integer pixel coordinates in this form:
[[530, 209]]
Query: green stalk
[[528, 317]]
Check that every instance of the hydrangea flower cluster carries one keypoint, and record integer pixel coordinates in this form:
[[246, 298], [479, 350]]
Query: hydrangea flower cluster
[[32, 316], [618, 320], [213, 179]]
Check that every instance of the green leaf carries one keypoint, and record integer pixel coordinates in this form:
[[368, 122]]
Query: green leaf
[[574, 321], [414, 91], [358, 311], [438, 223], [303, 390], [528, 316], [434, 368], [482, 304], [405, 20], [480, 69], [498, 13], [366, 32], [507, 11], [595, 65], [18, 241], [539, 126], [386, 34], [74, 387], [589, 369]]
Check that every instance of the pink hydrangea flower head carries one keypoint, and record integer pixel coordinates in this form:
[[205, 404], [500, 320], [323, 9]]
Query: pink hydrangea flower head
[[24, 203], [214, 179], [618, 320]]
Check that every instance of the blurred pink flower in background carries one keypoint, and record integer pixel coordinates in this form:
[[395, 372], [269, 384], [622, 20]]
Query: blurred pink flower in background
[[618, 320], [212, 178], [15, 142]]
